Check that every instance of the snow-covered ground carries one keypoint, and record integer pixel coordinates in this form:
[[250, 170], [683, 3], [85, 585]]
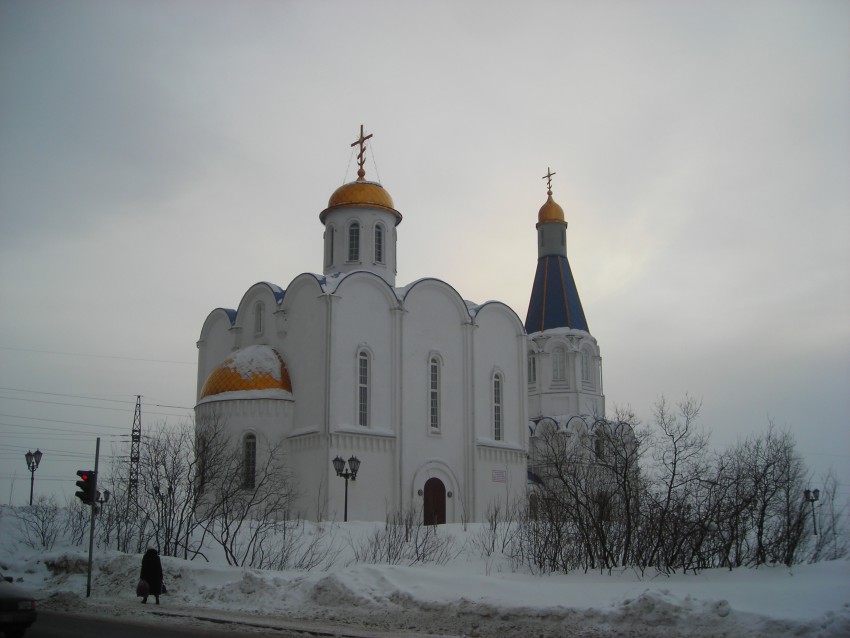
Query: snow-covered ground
[[470, 596]]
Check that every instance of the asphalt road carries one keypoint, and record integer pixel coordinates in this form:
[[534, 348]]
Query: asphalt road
[[56, 625]]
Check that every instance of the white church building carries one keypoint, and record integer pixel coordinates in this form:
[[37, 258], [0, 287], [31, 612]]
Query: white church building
[[436, 396]]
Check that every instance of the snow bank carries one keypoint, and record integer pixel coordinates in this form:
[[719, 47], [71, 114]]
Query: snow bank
[[472, 596]]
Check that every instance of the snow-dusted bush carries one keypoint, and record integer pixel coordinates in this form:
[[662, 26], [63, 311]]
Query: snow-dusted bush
[[40, 524]]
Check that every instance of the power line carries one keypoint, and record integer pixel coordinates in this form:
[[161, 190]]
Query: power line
[[59, 394], [88, 398], [97, 356], [33, 418], [79, 405]]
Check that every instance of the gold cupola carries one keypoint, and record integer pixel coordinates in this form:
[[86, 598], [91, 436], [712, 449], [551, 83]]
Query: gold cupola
[[550, 212], [361, 192]]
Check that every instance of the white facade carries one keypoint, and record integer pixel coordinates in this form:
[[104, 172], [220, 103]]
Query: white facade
[[427, 390], [436, 396]]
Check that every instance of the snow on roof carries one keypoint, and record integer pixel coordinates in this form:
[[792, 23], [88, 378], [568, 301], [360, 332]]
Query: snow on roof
[[253, 361]]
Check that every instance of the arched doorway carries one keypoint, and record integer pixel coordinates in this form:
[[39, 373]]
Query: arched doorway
[[434, 508]]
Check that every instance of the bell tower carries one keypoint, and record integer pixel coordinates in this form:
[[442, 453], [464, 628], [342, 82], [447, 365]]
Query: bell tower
[[564, 363], [360, 225]]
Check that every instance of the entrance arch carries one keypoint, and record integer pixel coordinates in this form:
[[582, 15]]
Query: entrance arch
[[434, 506]]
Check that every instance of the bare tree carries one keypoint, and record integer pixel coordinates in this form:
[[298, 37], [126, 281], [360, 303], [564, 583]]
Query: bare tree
[[679, 452], [242, 516]]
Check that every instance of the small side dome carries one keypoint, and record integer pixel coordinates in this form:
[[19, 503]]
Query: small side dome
[[254, 369], [550, 212], [360, 193]]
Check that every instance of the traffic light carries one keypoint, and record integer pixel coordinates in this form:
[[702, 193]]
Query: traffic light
[[87, 485]]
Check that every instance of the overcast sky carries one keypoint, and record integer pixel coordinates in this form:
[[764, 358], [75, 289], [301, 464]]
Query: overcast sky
[[158, 158]]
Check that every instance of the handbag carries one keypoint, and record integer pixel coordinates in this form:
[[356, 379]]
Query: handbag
[[142, 588]]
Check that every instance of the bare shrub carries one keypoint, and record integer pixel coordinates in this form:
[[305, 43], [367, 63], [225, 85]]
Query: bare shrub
[[301, 549], [40, 523], [405, 540]]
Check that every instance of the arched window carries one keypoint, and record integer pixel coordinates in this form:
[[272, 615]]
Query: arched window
[[379, 244], [434, 392], [258, 318], [249, 461], [559, 365], [329, 246], [498, 432], [363, 380], [599, 446], [586, 369], [532, 369], [354, 242]]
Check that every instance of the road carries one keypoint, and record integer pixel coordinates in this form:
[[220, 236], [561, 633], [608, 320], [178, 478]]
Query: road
[[56, 625]]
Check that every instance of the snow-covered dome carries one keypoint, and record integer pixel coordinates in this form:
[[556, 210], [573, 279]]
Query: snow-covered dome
[[254, 372]]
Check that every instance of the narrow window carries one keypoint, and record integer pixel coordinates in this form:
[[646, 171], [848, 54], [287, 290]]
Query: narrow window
[[434, 393], [532, 369], [585, 368], [363, 389], [559, 365], [329, 246], [249, 461], [258, 318], [201, 462], [563, 238], [354, 242], [379, 244], [497, 407]]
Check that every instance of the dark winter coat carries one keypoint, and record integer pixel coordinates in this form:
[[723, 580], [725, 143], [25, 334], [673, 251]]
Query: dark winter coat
[[152, 571]]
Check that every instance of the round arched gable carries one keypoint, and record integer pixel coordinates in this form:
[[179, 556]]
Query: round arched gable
[[371, 279], [502, 309], [429, 284], [270, 294]]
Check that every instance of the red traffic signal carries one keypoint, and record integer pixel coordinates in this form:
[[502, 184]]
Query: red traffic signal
[[87, 485]]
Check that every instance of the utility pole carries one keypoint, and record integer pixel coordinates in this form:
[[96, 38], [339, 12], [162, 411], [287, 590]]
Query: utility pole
[[93, 509], [135, 441]]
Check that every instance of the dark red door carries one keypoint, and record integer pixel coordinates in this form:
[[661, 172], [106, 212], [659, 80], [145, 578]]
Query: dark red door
[[435, 502]]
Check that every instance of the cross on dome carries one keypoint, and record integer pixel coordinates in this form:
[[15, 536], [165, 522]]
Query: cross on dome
[[547, 177], [361, 156]]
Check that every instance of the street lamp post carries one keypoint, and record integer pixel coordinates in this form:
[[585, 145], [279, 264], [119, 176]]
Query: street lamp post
[[811, 496], [350, 473], [33, 459]]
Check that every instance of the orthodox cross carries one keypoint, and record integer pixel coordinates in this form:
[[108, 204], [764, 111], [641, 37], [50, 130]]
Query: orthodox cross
[[361, 156], [547, 177]]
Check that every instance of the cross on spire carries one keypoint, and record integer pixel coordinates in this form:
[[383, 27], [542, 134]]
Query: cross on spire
[[361, 156], [547, 177]]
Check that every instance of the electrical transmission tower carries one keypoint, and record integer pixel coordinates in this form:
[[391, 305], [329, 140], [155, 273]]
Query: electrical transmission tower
[[136, 439]]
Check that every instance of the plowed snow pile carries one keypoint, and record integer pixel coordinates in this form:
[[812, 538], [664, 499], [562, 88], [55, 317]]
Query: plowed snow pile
[[470, 596]]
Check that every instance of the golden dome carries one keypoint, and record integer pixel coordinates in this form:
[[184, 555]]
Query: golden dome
[[249, 369], [550, 212], [360, 193]]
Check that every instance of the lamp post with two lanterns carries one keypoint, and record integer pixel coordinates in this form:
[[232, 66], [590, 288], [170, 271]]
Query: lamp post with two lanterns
[[33, 459], [350, 473], [811, 496]]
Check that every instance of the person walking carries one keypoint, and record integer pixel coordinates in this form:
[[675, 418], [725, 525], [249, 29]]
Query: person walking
[[152, 574]]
